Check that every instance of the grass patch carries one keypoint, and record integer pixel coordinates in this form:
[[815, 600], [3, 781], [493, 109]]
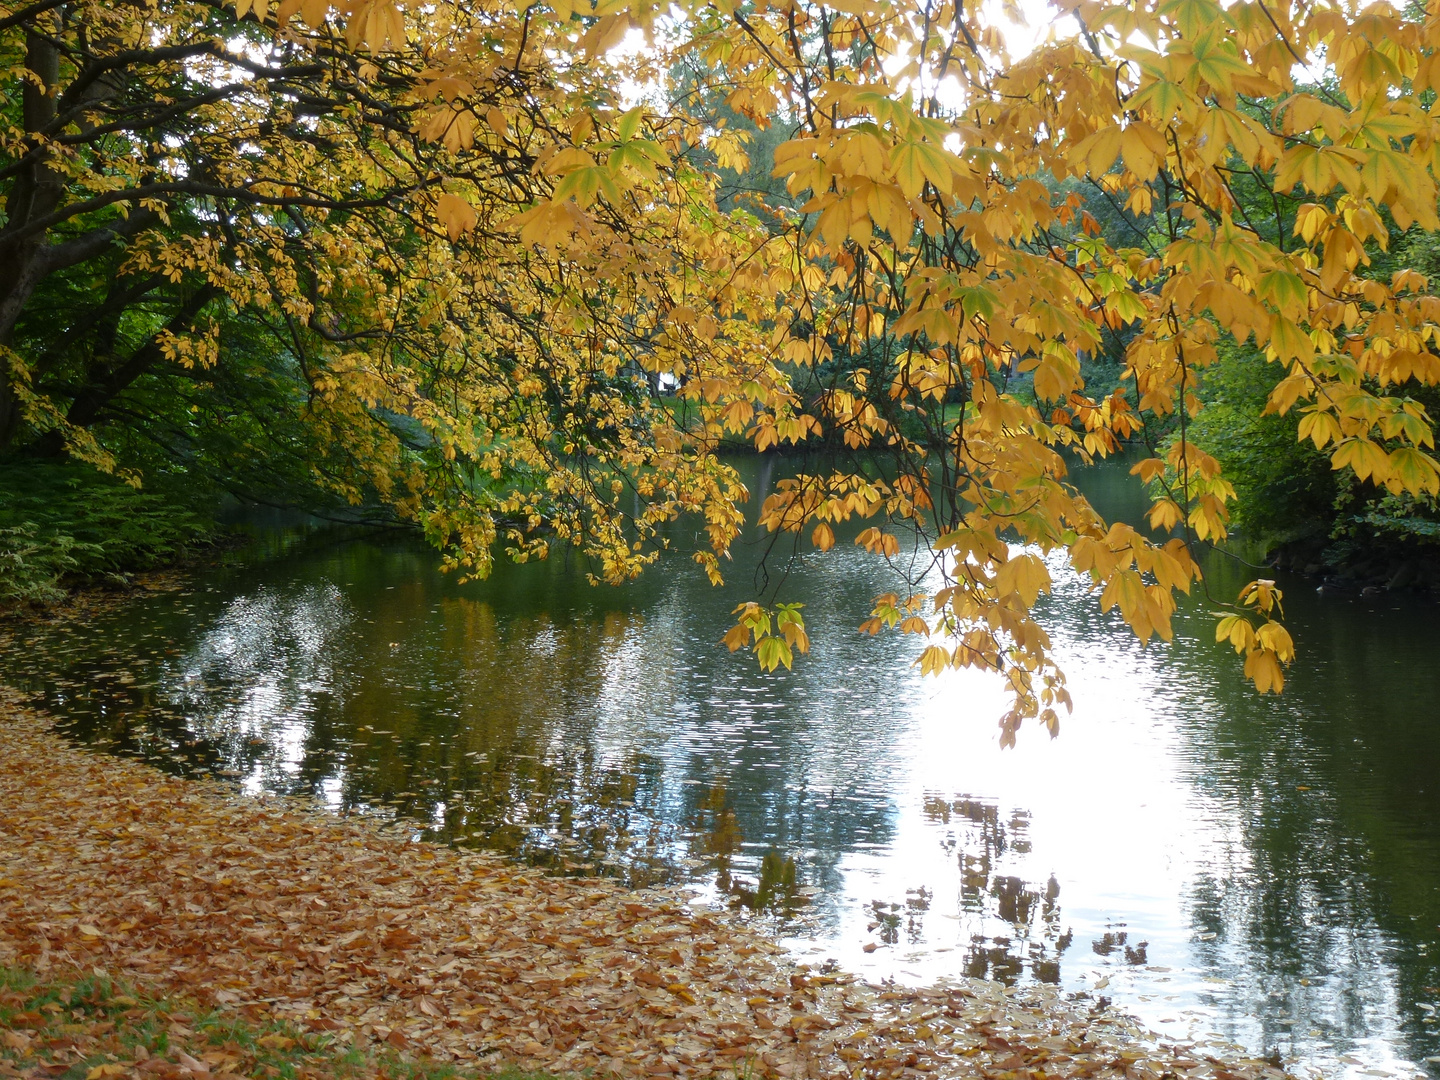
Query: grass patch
[[87, 1027]]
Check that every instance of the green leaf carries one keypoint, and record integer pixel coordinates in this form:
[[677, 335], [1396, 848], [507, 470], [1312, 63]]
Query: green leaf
[[1164, 98], [916, 162], [1285, 290], [774, 651], [1217, 61], [978, 300], [630, 123]]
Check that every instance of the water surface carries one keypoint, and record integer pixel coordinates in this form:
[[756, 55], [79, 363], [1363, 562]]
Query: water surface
[[1264, 871]]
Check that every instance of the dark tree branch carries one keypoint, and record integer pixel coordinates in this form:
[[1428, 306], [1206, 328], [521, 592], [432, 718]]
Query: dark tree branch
[[93, 243]]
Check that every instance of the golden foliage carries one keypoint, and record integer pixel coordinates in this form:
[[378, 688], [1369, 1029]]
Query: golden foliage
[[558, 255]]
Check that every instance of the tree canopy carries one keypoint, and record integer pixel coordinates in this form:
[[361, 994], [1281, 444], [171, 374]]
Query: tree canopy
[[451, 258]]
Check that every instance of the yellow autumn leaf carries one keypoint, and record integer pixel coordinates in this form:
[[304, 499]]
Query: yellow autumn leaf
[[1025, 576], [456, 215], [1263, 669], [1237, 630], [933, 660]]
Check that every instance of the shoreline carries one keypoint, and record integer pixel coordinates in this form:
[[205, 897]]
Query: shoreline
[[277, 911]]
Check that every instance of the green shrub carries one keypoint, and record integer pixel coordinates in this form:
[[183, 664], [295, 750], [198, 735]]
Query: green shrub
[[1285, 489], [1287, 495], [31, 568], [62, 520]]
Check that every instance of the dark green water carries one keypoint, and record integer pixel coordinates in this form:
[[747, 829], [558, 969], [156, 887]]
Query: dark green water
[[1260, 871]]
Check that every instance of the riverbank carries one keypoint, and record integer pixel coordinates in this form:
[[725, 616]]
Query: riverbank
[[276, 912], [62, 523]]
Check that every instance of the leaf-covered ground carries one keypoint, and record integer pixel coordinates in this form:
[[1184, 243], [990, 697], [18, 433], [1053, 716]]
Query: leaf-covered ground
[[277, 913]]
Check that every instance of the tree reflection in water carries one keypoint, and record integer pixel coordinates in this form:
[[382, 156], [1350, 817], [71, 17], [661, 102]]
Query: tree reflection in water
[[984, 846]]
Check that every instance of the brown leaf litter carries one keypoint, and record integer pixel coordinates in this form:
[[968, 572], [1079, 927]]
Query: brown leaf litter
[[279, 911]]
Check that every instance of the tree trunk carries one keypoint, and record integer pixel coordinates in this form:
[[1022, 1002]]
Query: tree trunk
[[34, 193], [105, 384]]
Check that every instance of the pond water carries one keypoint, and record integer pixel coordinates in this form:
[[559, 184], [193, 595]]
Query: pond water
[[1262, 871]]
